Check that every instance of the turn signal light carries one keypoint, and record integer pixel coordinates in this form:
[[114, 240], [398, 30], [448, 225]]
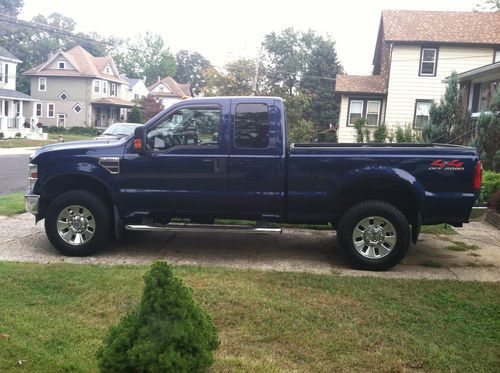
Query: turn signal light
[[137, 144], [478, 175]]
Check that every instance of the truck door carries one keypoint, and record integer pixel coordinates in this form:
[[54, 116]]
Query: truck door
[[184, 172], [255, 159]]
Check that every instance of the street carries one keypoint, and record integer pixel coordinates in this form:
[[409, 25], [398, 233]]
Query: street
[[13, 173]]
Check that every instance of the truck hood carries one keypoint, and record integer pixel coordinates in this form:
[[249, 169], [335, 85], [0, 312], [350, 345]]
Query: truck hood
[[78, 145]]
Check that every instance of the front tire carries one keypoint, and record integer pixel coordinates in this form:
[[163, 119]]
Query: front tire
[[374, 235], [78, 223]]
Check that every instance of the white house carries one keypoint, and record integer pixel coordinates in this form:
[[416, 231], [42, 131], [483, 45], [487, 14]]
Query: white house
[[136, 89], [17, 110], [414, 53], [168, 91]]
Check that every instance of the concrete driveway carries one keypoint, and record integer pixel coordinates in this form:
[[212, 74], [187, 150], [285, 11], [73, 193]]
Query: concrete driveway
[[293, 250]]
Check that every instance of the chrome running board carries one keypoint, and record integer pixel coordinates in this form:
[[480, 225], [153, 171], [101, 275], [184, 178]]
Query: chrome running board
[[221, 228]]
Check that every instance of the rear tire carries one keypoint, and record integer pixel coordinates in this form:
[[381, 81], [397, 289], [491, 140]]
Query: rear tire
[[374, 235], [78, 223]]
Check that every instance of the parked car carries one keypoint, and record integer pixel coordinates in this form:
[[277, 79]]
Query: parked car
[[118, 131], [213, 158]]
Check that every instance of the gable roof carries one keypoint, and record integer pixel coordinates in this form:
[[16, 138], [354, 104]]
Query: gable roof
[[84, 63], [176, 89], [6, 55], [440, 26], [360, 84], [131, 81]]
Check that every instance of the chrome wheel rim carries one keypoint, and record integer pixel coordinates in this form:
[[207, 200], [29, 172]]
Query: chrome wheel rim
[[76, 225], [374, 237]]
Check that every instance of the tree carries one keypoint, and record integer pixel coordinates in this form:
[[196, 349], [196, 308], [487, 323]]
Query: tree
[[301, 132], [303, 63], [135, 115], [319, 81], [11, 7], [146, 57], [487, 140], [190, 69], [236, 81], [448, 118], [488, 5], [168, 332], [150, 107]]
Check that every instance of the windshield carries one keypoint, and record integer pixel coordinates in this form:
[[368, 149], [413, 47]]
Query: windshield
[[120, 129]]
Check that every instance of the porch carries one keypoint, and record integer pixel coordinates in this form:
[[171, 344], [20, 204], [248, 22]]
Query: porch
[[14, 123], [109, 110]]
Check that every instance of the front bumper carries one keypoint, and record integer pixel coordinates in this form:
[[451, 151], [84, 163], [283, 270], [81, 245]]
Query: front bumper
[[31, 203]]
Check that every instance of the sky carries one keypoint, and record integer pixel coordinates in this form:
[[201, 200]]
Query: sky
[[224, 30]]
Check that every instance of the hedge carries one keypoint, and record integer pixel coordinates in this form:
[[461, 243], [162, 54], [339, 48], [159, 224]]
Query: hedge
[[491, 184]]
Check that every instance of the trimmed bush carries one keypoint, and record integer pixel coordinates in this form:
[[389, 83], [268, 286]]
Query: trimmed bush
[[491, 184], [85, 131], [168, 332]]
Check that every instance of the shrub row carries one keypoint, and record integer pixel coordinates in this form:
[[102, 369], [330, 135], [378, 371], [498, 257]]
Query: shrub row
[[89, 131], [491, 184]]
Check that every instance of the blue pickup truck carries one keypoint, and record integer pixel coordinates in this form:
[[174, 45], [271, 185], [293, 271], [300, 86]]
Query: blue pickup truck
[[228, 158]]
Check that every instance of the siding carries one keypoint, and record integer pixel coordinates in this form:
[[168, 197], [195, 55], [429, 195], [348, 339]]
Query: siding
[[345, 133], [406, 86], [78, 91]]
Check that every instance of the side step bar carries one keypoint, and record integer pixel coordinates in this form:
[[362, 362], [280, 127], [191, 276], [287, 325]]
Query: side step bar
[[221, 228]]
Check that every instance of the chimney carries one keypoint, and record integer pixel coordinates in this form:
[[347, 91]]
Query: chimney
[[158, 80]]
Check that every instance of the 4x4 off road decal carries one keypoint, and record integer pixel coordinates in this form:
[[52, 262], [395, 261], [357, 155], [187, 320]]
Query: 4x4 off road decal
[[454, 165]]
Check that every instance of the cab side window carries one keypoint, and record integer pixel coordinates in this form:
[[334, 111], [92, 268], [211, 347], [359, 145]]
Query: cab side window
[[187, 126], [251, 126]]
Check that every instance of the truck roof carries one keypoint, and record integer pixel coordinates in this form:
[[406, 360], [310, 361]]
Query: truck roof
[[227, 98]]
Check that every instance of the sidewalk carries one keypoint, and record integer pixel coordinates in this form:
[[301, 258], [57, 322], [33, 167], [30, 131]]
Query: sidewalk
[[18, 151]]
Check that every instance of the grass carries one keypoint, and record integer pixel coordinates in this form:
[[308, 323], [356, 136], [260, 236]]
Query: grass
[[438, 229], [11, 204], [53, 138], [461, 246], [56, 314]]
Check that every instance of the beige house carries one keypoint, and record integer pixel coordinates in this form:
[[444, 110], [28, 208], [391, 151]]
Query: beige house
[[414, 53], [168, 91], [17, 115], [77, 89]]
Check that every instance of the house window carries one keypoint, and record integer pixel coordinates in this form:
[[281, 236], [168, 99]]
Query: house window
[[77, 108], [1, 72], [372, 113], [487, 94], [50, 110], [496, 57], [42, 84], [104, 87], [422, 108], [63, 96], [61, 64], [6, 108], [108, 70], [6, 75], [428, 59], [97, 86], [18, 109], [355, 111], [112, 89], [251, 128], [38, 109]]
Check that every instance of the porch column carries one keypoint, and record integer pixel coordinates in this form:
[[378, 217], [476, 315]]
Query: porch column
[[21, 108]]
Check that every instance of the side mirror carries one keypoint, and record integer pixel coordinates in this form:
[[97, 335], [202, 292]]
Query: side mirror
[[139, 144]]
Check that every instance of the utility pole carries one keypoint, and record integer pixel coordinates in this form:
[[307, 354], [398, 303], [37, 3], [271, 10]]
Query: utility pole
[[256, 75]]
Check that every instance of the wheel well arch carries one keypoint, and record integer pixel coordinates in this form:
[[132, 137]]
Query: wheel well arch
[[60, 184], [398, 193]]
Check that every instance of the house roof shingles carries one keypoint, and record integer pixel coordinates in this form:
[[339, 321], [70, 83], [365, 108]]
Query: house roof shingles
[[176, 89], [84, 63], [360, 84], [6, 55], [441, 26], [12, 94]]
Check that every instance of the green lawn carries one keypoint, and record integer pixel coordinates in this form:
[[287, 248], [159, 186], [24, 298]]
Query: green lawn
[[56, 314], [11, 204], [53, 138]]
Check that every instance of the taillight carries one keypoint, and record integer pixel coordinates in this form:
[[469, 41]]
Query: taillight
[[478, 175], [33, 171]]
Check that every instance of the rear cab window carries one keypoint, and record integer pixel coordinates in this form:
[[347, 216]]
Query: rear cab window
[[251, 126]]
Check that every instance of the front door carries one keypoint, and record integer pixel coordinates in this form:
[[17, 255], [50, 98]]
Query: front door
[[61, 120], [184, 172]]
